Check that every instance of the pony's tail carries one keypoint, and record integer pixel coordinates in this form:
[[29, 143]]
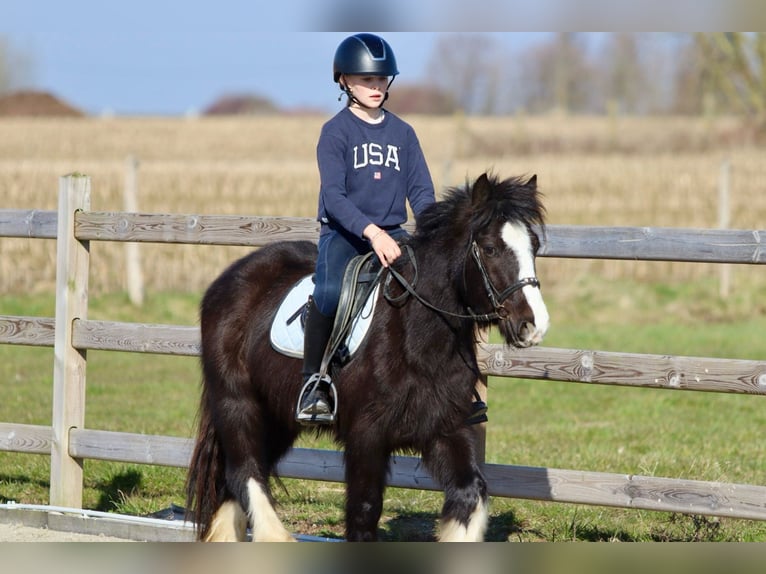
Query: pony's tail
[[204, 482]]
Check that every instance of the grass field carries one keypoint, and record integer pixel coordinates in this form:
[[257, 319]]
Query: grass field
[[560, 425], [658, 172]]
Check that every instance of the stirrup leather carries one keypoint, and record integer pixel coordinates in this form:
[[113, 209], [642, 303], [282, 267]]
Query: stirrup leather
[[311, 415]]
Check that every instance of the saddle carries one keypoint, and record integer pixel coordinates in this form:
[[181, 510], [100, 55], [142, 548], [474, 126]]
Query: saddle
[[356, 306]]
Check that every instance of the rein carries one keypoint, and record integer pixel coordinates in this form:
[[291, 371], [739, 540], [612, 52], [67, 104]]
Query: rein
[[497, 299]]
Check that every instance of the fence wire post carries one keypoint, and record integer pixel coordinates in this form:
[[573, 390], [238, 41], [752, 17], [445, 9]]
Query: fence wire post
[[724, 218], [72, 264], [134, 275]]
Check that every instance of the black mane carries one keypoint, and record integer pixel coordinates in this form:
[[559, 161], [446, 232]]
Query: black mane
[[473, 207]]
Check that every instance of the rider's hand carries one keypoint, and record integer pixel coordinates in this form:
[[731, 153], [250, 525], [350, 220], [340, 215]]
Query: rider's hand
[[385, 246]]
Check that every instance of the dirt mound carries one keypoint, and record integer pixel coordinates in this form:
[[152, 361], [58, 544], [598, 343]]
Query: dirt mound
[[32, 103], [240, 104]]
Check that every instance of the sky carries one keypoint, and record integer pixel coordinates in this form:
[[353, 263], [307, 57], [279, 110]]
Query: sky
[[149, 57], [153, 58]]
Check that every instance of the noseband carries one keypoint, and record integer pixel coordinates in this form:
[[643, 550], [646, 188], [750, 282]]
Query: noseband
[[496, 298]]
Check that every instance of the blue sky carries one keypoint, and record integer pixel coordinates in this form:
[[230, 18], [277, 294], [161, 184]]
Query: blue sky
[[147, 57], [154, 57]]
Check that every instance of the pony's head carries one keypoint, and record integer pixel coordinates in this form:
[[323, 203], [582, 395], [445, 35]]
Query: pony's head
[[492, 223], [503, 246]]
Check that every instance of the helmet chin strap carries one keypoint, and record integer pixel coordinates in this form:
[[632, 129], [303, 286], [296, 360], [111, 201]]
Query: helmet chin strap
[[354, 99]]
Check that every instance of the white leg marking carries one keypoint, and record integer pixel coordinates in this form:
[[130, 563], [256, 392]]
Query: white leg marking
[[265, 524], [229, 524], [516, 237], [453, 531]]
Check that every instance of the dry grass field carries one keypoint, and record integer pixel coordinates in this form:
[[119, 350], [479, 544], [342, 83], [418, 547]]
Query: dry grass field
[[598, 171]]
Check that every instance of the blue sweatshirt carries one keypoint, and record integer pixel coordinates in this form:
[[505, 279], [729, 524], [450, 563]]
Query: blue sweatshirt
[[368, 172]]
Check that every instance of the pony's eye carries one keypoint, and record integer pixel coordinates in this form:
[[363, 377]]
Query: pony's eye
[[490, 250], [535, 244]]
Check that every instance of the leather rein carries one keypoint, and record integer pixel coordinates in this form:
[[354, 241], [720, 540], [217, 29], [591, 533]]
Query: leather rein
[[496, 298]]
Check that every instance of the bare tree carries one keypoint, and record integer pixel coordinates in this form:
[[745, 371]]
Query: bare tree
[[733, 68], [688, 92], [16, 68], [557, 76], [626, 83], [4, 72], [466, 66]]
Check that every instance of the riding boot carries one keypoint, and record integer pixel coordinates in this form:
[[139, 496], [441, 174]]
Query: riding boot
[[315, 405], [478, 410]]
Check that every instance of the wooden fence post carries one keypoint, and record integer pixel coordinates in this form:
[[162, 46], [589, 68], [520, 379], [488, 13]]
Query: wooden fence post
[[72, 263], [134, 275], [724, 217]]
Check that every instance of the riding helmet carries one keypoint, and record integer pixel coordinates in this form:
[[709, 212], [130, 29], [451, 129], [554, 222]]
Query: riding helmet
[[364, 54]]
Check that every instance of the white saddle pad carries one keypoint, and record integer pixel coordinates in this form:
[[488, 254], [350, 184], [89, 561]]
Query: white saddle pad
[[287, 338]]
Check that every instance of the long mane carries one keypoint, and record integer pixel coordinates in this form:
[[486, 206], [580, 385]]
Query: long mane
[[469, 208]]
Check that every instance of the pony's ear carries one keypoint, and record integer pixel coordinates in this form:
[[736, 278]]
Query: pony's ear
[[532, 182], [481, 190]]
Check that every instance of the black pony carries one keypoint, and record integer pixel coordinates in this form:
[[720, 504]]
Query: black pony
[[408, 388]]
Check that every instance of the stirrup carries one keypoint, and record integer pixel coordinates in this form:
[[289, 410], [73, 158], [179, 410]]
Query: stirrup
[[318, 412]]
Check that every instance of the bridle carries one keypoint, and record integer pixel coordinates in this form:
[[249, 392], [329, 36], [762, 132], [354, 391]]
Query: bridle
[[496, 298]]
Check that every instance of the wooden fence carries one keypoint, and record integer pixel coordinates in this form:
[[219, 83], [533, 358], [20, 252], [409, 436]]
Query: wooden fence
[[70, 332]]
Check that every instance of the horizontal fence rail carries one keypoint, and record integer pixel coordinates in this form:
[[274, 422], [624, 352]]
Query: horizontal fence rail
[[30, 223], [570, 365], [537, 483], [625, 369], [542, 363], [565, 241]]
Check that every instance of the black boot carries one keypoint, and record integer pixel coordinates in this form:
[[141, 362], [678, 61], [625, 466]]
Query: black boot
[[316, 405], [478, 410]]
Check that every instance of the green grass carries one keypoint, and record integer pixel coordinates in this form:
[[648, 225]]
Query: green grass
[[703, 436]]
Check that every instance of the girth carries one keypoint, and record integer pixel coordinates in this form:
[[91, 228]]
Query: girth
[[360, 277]]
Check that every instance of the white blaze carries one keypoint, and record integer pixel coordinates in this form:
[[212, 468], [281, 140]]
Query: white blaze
[[516, 237]]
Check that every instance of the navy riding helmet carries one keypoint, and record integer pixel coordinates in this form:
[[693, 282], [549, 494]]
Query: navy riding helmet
[[364, 54]]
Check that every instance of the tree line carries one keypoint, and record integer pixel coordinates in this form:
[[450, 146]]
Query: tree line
[[568, 73], [588, 73]]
